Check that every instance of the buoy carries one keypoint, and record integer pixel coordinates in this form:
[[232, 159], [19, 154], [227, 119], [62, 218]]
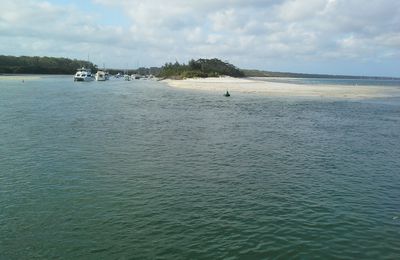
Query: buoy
[[227, 94]]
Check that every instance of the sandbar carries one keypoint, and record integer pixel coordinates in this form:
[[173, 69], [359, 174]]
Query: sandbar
[[278, 89], [19, 77]]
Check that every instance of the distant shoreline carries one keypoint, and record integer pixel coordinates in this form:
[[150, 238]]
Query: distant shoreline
[[272, 74]]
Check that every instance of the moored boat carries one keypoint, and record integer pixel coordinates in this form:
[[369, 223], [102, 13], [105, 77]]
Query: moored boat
[[83, 74], [135, 76], [100, 75]]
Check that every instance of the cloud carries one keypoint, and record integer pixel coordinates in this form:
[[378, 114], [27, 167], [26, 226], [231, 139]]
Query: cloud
[[254, 33], [300, 10]]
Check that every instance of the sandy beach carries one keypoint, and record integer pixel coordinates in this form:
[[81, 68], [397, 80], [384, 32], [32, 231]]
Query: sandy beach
[[257, 86], [19, 77]]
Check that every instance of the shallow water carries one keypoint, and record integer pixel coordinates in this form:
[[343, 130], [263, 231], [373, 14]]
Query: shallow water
[[121, 170], [388, 82]]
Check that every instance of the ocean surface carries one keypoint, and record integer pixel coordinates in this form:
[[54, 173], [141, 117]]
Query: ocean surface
[[138, 170]]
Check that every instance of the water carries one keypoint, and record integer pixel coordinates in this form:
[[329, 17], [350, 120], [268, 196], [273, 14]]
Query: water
[[137, 170], [395, 82]]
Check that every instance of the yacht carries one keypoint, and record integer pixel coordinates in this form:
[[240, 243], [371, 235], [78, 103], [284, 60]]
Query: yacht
[[101, 75], [83, 74]]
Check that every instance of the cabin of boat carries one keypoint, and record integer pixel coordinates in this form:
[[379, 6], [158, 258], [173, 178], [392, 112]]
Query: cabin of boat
[[83, 74]]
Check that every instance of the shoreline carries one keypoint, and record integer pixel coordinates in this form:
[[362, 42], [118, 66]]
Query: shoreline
[[20, 77], [280, 89]]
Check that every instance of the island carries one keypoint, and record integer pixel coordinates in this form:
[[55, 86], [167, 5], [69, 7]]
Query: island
[[214, 75]]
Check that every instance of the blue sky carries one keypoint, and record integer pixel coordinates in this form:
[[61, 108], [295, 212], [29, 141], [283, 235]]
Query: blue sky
[[351, 37]]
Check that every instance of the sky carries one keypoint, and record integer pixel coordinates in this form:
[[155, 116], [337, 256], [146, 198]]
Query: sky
[[346, 37]]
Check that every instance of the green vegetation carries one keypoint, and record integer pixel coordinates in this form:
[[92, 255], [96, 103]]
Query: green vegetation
[[41, 65], [202, 68]]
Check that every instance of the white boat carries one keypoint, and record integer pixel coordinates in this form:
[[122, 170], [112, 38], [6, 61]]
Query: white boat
[[127, 77], [100, 75], [135, 76], [83, 74]]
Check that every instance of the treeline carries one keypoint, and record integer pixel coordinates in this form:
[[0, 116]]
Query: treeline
[[42, 65], [200, 68], [147, 71], [141, 71]]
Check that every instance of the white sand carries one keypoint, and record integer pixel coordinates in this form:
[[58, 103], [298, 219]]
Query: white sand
[[19, 77], [253, 85]]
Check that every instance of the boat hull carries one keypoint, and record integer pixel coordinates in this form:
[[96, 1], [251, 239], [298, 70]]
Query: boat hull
[[84, 79]]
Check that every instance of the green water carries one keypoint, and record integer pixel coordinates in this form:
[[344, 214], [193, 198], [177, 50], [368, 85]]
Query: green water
[[137, 170]]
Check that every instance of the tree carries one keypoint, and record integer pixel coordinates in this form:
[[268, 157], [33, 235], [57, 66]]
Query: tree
[[41, 65]]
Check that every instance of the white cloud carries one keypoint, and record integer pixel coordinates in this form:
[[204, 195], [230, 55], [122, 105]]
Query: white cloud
[[254, 33], [299, 10]]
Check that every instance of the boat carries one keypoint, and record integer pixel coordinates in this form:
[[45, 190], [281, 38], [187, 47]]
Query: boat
[[83, 74], [135, 76], [127, 77], [101, 75]]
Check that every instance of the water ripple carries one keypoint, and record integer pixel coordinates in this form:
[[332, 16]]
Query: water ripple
[[137, 170]]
